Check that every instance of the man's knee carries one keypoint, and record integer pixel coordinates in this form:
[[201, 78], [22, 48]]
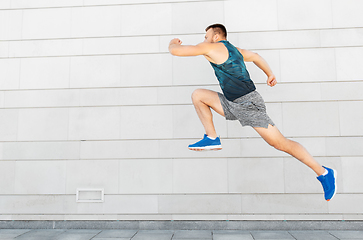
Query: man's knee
[[197, 95], [282, 145]]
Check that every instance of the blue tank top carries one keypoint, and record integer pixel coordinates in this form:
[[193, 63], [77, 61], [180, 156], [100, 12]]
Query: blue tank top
[[232, 75]]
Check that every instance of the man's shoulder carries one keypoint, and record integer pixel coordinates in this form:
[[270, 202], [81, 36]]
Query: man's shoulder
[[208, 47], [206, 44]]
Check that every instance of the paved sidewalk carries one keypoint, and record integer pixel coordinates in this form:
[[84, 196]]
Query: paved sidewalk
[[87, 234]]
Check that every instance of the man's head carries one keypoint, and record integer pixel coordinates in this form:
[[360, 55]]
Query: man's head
[[215, 33]]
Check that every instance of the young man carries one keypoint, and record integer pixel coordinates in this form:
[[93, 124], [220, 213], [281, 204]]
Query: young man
[[240, 100]]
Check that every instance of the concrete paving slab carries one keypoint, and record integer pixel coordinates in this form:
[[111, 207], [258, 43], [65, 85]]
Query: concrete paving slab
[[231, 232], [41, 234], [187, 234], [153, 235], [82, 231], [12, 233], [192, 238], [260, 235], [111, 238], [232, 236], [312, 235], [347, 234], [117, 234], [155, 231], [75, 236]]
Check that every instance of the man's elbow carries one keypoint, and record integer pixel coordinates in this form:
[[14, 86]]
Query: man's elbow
[[256, 57], [173, 52]]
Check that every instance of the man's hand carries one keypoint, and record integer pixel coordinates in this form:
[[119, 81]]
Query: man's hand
[[249, 56], [271, 81], [175, 41]]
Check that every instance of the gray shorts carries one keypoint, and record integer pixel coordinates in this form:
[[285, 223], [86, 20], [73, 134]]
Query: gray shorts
[[249, 110]]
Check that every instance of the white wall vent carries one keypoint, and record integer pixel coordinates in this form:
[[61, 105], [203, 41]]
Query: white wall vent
[[90, 195]]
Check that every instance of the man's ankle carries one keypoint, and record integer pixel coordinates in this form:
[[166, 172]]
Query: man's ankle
[[212, 138]]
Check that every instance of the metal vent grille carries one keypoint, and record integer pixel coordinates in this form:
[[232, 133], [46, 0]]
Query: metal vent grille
[[90, 195]]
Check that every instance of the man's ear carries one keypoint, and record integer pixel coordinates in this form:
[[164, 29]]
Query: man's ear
[[216, 37]]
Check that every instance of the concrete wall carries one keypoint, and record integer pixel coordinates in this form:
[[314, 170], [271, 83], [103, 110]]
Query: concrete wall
[[90, 98]]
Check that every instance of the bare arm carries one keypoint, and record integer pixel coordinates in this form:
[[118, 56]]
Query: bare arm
[[176, 49], [261, 63]]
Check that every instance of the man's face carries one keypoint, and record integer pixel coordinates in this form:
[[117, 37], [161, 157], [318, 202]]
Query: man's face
[[209, 36]]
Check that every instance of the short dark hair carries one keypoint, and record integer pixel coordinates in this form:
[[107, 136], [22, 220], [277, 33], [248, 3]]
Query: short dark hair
[[218, 28]]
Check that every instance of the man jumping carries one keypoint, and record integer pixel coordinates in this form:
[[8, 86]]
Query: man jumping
[[240, 100]]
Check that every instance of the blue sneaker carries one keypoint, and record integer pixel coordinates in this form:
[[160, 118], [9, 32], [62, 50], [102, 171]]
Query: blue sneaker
[[329, 183], [206, 144]]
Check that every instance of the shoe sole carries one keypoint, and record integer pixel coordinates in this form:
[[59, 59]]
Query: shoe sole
[[208, 148], [335, 184]]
